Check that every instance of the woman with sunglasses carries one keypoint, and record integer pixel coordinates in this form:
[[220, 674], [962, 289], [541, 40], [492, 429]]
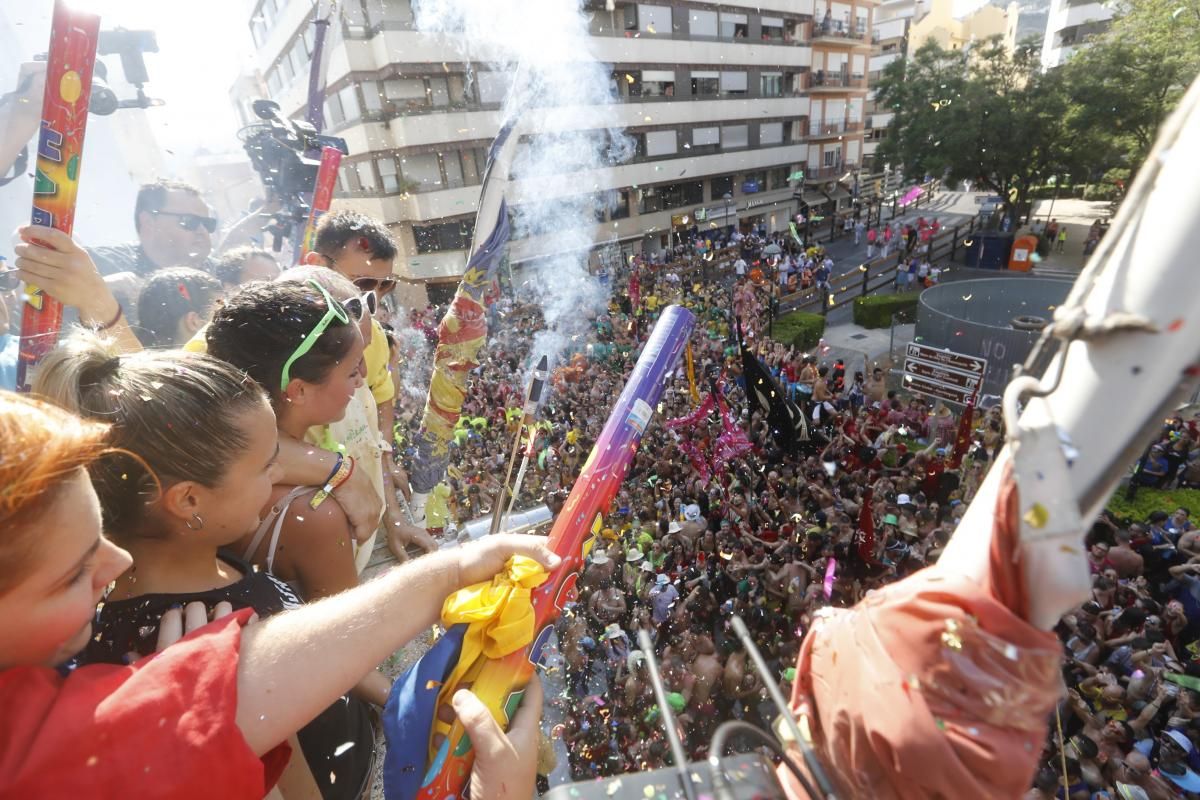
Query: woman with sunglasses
[[207, 716], [197, 445]]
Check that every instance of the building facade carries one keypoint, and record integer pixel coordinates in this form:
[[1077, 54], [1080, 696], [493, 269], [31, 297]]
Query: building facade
[[1069, 24], [738, 111]]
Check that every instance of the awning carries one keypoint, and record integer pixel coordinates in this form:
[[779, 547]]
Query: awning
[[838, 193], [815, 198]]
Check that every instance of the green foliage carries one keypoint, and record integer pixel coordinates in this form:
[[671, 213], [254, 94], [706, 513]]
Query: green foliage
[[875, 311], [1150, 500], [799, 329]]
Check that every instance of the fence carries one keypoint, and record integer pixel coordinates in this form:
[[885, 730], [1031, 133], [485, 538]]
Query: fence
[[870, 277]]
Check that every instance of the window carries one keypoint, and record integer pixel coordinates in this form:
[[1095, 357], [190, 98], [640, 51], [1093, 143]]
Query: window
[[706, 84], [734, 136], [460, 91], [673, 195], [286, 71], [443, 236], [366, 175], [733, 26], [703, 23], [661, 143], [372, 100], [777, 177], [833, 157], [333, 110], [452, 166], [439, 92], [754, 182], [770, 133], [389, 175], [349, 98], [656, 83], [721, 186], [704, 137], [274, 85], [772, 29], [493, 86], [422, 169], [405, 91], [618, 203], [654, 19], [733, 83], [346, 180], [258, 30], [470, 168], [309, 37], [771, 84]]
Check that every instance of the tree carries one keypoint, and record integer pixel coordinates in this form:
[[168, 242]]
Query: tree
[[1126, 82], [984, 115]]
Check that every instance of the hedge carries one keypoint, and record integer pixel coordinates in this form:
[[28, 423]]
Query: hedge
[[1149, 500], [799, 328], [875, 311]]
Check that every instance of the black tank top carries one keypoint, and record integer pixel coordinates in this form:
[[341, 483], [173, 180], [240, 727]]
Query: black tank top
[[126, 630]]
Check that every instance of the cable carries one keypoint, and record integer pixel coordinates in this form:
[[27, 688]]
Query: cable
[[664, 708], [716, 749]]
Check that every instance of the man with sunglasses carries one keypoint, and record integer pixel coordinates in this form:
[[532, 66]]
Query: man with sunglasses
[[174, 227]]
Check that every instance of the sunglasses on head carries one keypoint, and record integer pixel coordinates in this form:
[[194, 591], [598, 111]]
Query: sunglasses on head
[[190, 222], [375, 284], [334, 311]]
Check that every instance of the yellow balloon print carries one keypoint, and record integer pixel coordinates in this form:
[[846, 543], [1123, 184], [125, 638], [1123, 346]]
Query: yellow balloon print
[[70, 87]]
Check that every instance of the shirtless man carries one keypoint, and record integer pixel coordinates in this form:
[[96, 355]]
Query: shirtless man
[[707, 669], [608, 604], [739, 680]]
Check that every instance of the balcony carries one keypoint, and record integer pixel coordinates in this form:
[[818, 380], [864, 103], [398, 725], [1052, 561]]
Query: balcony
[[822, 81], [823, 128], [820, 174], [834, 30]]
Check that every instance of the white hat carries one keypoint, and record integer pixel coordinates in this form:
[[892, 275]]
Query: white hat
[[647, 566], [662, 579], [613, 631], [691, 513], [633, 556], [674, 527], [903, 500], [600, 557]]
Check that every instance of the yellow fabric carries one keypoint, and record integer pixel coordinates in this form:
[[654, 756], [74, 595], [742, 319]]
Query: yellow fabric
[[198, 343], [500, 620], [691, 374], [437, 510], [376, 357]]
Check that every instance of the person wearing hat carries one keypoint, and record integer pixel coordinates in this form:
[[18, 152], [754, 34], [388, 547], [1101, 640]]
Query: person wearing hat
[[663, 595], [600, 568], [1174, 748], [634, 559]]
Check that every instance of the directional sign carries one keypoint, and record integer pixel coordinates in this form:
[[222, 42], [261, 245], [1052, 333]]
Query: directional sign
[[942, 374], [947, 358], [937, 390], [950, 377]]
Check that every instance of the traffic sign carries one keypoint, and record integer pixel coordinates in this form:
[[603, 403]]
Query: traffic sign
[[937, 390], [942, 374], [949, 377], [972, 365]]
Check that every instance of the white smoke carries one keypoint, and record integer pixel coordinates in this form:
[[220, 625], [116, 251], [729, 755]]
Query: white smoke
[[562, 96]]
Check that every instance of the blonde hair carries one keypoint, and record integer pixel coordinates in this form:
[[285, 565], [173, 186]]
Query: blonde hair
[[174, 412]]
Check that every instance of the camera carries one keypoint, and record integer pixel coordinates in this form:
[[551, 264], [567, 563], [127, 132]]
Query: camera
[[286, 155]]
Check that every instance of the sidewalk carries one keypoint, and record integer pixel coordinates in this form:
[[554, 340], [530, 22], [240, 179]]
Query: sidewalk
[[852, 343]]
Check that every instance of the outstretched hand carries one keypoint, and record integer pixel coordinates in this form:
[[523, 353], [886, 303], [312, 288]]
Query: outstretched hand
[[52, 261]]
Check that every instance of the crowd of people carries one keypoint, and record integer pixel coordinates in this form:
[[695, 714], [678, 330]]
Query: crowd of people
[[242, 433]]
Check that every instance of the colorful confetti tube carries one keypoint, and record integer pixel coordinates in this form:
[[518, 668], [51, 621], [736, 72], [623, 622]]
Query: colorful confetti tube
[[73, 38], [331, 161], [500, 683]]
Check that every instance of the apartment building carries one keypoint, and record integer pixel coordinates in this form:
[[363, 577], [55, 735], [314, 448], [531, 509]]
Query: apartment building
[[1069, 24], [739, 112]]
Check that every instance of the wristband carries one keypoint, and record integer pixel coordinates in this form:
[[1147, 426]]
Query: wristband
[[337, 465], [344, 469], [112, 323]]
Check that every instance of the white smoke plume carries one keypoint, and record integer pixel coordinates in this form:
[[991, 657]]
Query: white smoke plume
[[562, 95]]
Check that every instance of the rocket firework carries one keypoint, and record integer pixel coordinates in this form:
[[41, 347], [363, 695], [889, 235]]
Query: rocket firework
[[413, 705], [331, 160], [73, 37]]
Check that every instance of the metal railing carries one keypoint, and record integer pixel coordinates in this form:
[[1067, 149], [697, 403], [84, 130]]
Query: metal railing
[[840, 30]]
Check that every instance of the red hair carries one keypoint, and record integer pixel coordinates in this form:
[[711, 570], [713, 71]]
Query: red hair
[[44, 446]]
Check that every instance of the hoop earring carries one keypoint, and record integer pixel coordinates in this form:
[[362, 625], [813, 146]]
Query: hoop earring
[[199, 522]]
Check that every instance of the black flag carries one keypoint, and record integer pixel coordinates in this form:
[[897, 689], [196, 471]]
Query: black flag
[[787, 422]]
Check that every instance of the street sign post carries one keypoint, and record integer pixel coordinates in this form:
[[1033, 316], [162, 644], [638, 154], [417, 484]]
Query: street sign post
[[942, 374]]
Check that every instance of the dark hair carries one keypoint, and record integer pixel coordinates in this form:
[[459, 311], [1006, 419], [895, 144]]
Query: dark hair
[[167, 297], [172, 412], [261, 325], [337, 229], [153, 196], [229, 267]]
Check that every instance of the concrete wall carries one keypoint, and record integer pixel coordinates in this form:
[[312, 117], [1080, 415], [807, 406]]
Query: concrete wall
[[974, 318]]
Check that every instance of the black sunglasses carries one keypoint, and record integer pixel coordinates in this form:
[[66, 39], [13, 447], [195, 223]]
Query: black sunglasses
[[375, 284], [191, 222]]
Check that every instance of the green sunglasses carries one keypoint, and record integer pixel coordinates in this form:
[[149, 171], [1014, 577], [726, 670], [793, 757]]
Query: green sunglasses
[[335, 311]]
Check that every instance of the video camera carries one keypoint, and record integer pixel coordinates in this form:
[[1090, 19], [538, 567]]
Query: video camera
[[286, 155]]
